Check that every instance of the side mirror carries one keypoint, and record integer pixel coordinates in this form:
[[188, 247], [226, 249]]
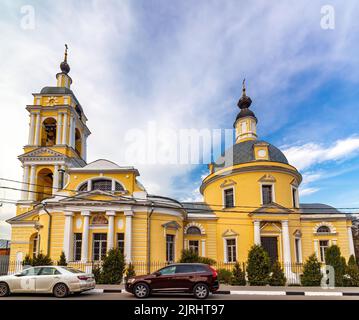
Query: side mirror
[[157, 274]]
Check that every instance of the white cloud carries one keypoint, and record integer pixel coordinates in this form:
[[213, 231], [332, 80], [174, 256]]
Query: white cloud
[[307, 191], [310, 154]]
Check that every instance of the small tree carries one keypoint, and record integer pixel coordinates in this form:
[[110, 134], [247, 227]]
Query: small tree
[[351, 278], [312, 275], [333, 258], [130, 271], [258, 266], [62, 261], [191, 256], [42, 260], [224, 276], [238, 275], [97, 272], [113, 267], [277, 277]]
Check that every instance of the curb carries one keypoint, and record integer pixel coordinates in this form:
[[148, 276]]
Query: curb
[[111, 290], [295, 293]]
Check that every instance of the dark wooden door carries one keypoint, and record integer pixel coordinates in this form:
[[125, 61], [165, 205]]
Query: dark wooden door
[[270, 245]]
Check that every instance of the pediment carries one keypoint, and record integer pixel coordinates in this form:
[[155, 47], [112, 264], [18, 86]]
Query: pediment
[[95, 195], [229, 233], [267, 178], [272, 208], [227, 183], [171, 225], [42, 152]]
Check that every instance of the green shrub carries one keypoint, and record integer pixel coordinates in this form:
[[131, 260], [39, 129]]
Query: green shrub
[[312, 275], [130, 271], [258, 266], [238, 276], [62, 261], [277, 277], [113, 267], [42, 260], [333, 258], [351, 277], [96, 270], [224, 276], [190, 256]]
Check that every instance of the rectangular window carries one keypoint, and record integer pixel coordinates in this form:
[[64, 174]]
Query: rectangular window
[[231, 250], [121, 242], [170, 247], [34, 246], [77, 246], [267, 194], [323, 246], [294, 196], [194, 245], [99, 246], [297, 250], [228, 198]]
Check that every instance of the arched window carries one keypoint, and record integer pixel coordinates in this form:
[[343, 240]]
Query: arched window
[[44, 184], [193, 230], [48, 134], [78, 142], [83, 187], [102, 184], [323, 229], [118, 187]]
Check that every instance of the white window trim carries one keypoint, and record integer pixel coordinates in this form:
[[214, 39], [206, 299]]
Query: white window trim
[[224, 198], [225, 248], [261, 191], [296, 197], [299, 258]]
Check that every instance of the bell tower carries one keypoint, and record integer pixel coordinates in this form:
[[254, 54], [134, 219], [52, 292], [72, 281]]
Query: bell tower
[[57, 139], [246, 121]]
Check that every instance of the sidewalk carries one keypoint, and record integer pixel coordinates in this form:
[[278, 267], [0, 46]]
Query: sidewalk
[[264, 290]]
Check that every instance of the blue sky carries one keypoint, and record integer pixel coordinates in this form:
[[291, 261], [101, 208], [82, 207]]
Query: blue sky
[[180, 64]]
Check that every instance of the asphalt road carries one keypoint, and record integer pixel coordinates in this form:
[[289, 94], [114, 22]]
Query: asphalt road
[[180, 297]]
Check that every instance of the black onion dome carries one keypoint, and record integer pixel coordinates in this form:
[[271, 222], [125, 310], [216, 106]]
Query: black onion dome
[[64, 66], [244, 103], [243, 152]]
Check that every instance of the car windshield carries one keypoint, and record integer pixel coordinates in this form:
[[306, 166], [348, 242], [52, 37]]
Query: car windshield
[[72, 270]]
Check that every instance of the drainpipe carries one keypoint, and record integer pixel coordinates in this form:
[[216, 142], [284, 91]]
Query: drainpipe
[[48, 229], [149, 239]]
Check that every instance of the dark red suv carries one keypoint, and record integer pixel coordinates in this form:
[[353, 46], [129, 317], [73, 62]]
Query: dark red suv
[[197, 278]]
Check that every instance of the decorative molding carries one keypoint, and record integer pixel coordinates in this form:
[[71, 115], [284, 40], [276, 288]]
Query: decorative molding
[[99, 219], [228, 183], [229, 233], [194, 224], [267, 178], [325, 224]]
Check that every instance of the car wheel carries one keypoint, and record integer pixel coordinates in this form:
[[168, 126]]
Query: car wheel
[[141, 290], [61, 290], [4, 289], [201, 291]]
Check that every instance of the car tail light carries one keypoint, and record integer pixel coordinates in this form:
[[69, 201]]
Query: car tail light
[[214, 272], [83, 277]]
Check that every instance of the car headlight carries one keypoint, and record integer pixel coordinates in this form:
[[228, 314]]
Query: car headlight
[[131, 280]]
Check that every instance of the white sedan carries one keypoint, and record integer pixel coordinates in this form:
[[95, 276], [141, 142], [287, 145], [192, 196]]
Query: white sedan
[[60, 281]]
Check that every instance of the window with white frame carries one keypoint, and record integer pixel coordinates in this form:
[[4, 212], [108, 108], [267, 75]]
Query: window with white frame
[[121, 242], [295, 197], [228, 198], [231, 250], [323, 246], [267, 193], [170, 248], [77, 246], [99, 246], [193, 230], [297, 250], [193, 245], [323, 229]]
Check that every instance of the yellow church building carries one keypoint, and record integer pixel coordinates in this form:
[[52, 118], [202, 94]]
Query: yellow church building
[[250, 196]]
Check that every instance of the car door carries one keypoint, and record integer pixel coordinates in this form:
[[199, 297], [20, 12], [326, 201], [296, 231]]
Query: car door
[[183, 276], [46, 279], [25, 282], [164, 280]]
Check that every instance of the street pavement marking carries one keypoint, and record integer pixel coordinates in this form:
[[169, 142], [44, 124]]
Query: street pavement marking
[[321, 293], [270, 293]]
